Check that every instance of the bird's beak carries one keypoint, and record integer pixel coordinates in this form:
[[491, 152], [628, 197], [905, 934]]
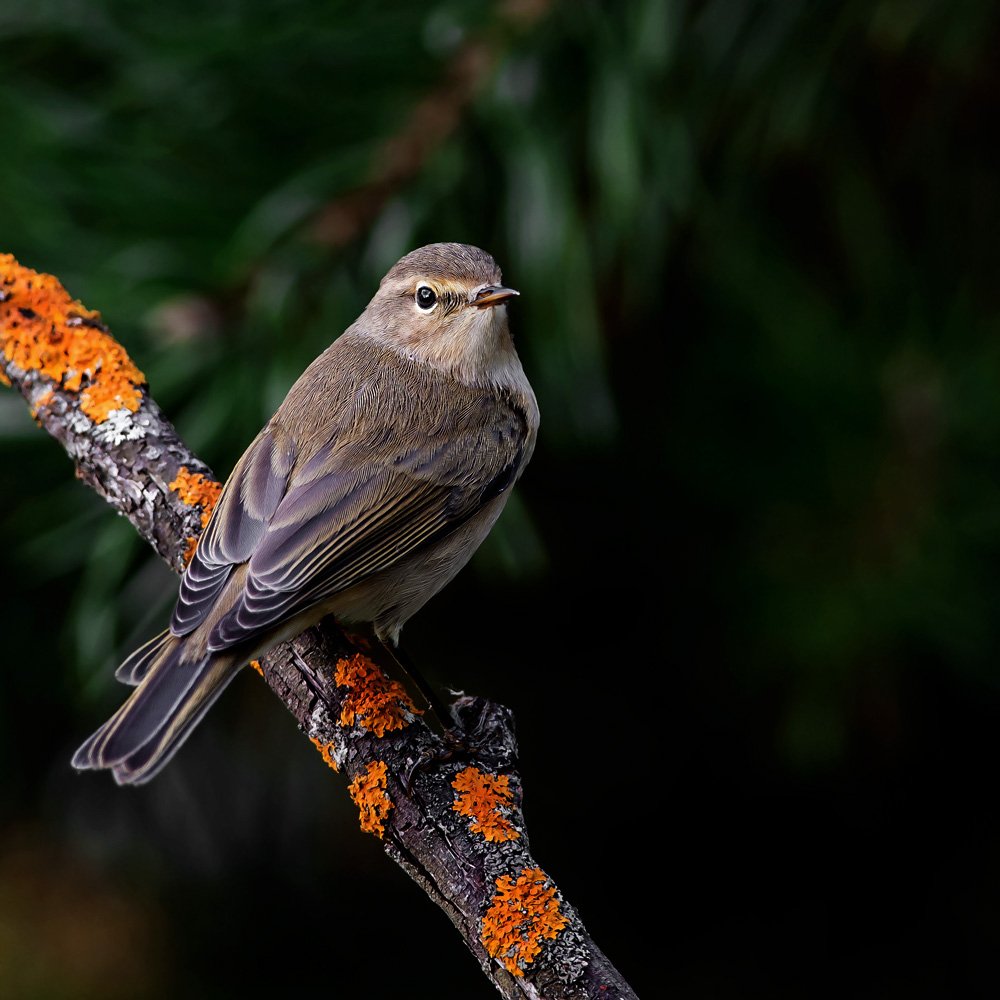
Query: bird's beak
[[492, 295]]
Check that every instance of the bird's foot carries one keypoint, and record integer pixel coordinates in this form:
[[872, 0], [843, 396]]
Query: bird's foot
[[482, 734]]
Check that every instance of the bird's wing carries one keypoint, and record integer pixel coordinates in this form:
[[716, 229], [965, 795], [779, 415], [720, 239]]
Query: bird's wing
[[238, 524], [360, 504]]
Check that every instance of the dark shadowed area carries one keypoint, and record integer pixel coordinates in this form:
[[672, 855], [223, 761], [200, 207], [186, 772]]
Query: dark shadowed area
[[744, 603]]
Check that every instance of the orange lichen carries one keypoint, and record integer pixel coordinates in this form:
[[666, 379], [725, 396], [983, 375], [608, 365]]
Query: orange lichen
[[255, 664], [326, 752], [43, 329], [368, 793], [522, 914], [43, 400], [196, 490], [486, 799], [376, 703]]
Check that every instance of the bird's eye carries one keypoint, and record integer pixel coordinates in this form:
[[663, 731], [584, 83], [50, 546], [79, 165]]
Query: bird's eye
[[426, 297]]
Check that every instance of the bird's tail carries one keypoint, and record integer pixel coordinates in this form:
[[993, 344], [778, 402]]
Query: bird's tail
[[172, 696]]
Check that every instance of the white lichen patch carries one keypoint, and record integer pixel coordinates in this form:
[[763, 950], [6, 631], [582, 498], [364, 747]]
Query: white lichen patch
[[119, 426], [80, 423], [319, 723]]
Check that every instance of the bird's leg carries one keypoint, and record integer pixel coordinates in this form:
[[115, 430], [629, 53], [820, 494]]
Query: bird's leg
[[472, 729], [458, 742], [482, 734], [437, 707]]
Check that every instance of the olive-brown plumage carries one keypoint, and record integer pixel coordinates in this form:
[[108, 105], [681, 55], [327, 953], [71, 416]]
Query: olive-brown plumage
[[371, 486]]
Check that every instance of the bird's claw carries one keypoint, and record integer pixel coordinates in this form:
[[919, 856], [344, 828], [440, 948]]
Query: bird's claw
[[482, 734]]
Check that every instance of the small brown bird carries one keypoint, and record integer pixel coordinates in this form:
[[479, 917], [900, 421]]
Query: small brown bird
[[371, 486]]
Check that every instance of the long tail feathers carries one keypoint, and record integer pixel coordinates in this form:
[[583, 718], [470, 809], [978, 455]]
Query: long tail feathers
[[171, 697], [138, 663]]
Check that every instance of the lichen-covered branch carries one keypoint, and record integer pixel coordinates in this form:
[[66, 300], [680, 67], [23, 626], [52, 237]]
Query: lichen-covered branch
[[456, 828]]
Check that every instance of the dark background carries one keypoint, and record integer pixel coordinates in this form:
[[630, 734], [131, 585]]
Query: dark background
[[744, 602]]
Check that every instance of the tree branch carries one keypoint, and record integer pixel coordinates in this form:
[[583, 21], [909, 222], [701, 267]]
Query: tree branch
[[458, 831]]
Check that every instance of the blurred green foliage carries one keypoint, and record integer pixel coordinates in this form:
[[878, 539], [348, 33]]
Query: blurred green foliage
[[755, 245]]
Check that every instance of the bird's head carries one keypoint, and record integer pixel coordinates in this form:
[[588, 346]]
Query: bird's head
[[444, 304]]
